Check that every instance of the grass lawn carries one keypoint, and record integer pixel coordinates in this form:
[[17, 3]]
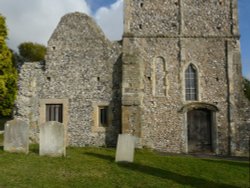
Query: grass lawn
[[95, 167]]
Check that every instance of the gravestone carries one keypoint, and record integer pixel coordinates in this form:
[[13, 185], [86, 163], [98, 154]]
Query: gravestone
[[52, 139], [1, 138], [16, 136], [125, 148]]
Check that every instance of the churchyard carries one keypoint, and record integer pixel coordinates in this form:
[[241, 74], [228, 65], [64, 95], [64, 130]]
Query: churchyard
[[96, 167]]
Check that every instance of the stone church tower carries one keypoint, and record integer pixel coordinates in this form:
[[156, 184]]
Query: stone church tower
[[181, 88], [174, 81]]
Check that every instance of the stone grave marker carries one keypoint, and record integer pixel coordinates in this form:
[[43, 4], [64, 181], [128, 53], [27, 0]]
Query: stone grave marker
[[1, 137], [16, 136], [52, 139], [125, 148]]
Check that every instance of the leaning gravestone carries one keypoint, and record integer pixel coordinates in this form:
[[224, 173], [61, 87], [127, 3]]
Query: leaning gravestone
[[16, 136], [125, 148], [52, 139]]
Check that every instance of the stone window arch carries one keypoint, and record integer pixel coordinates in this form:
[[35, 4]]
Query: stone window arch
[[191, 83], [159, 77]]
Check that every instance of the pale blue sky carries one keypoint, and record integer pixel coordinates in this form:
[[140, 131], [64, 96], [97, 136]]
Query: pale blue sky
[[244, 14]]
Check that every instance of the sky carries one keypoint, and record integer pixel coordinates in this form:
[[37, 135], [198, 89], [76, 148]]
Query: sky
[[35, 20]]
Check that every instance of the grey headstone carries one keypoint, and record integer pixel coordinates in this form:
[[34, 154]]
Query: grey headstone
[[52, 139], [16, 136], [125, 148]]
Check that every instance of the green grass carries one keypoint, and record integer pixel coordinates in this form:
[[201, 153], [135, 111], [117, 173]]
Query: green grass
[[95, 167]]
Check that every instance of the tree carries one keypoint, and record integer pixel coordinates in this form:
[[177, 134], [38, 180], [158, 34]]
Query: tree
[[30, 51], [8, 74], [247, 88]]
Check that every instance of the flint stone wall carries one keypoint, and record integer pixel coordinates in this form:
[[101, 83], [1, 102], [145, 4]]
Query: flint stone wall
[[181, 17], [162, 123], [82, 66], [16, 137], [31, 78], [202, 33]]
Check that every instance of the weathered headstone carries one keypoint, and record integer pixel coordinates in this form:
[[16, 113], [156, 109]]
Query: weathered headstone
[[1, 138], [125, 148], [52, 139], [16, 136]]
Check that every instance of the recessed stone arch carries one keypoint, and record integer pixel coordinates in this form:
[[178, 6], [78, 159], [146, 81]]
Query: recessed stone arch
[[199, 105], [200, 131], [159, 77]]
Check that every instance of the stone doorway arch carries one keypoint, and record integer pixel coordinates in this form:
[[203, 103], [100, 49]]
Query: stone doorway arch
[[200, 128], [199, 124]]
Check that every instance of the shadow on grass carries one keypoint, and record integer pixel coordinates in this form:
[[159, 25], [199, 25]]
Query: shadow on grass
[[34, 148], [105, 157], [233, 163], [1, 148], [165, 174]]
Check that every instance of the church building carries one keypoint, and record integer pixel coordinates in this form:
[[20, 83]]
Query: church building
[[174, 80]]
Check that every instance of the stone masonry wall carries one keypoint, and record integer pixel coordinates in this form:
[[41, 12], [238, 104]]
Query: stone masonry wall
[[181, 17], [27, 103], [239, 112], [162, 124], [179, 33], [84, 67]]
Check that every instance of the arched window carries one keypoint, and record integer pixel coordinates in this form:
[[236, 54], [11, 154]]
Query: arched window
[[159, 77], [191, 83]]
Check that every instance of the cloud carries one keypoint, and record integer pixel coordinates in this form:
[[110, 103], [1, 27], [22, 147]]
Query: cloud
[[110, 20], [35, 20]]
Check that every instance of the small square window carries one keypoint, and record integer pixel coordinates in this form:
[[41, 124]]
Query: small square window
[[54, 112], [103, 116]]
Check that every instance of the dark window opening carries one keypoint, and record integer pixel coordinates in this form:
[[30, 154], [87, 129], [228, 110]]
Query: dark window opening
[[54, 112], [191, 83], [103, 116]]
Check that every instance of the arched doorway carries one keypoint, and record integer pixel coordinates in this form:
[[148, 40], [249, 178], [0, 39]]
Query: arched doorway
[[199, 124]]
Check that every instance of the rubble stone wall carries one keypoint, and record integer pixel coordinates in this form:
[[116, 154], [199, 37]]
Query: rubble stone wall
[[31, 78]]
